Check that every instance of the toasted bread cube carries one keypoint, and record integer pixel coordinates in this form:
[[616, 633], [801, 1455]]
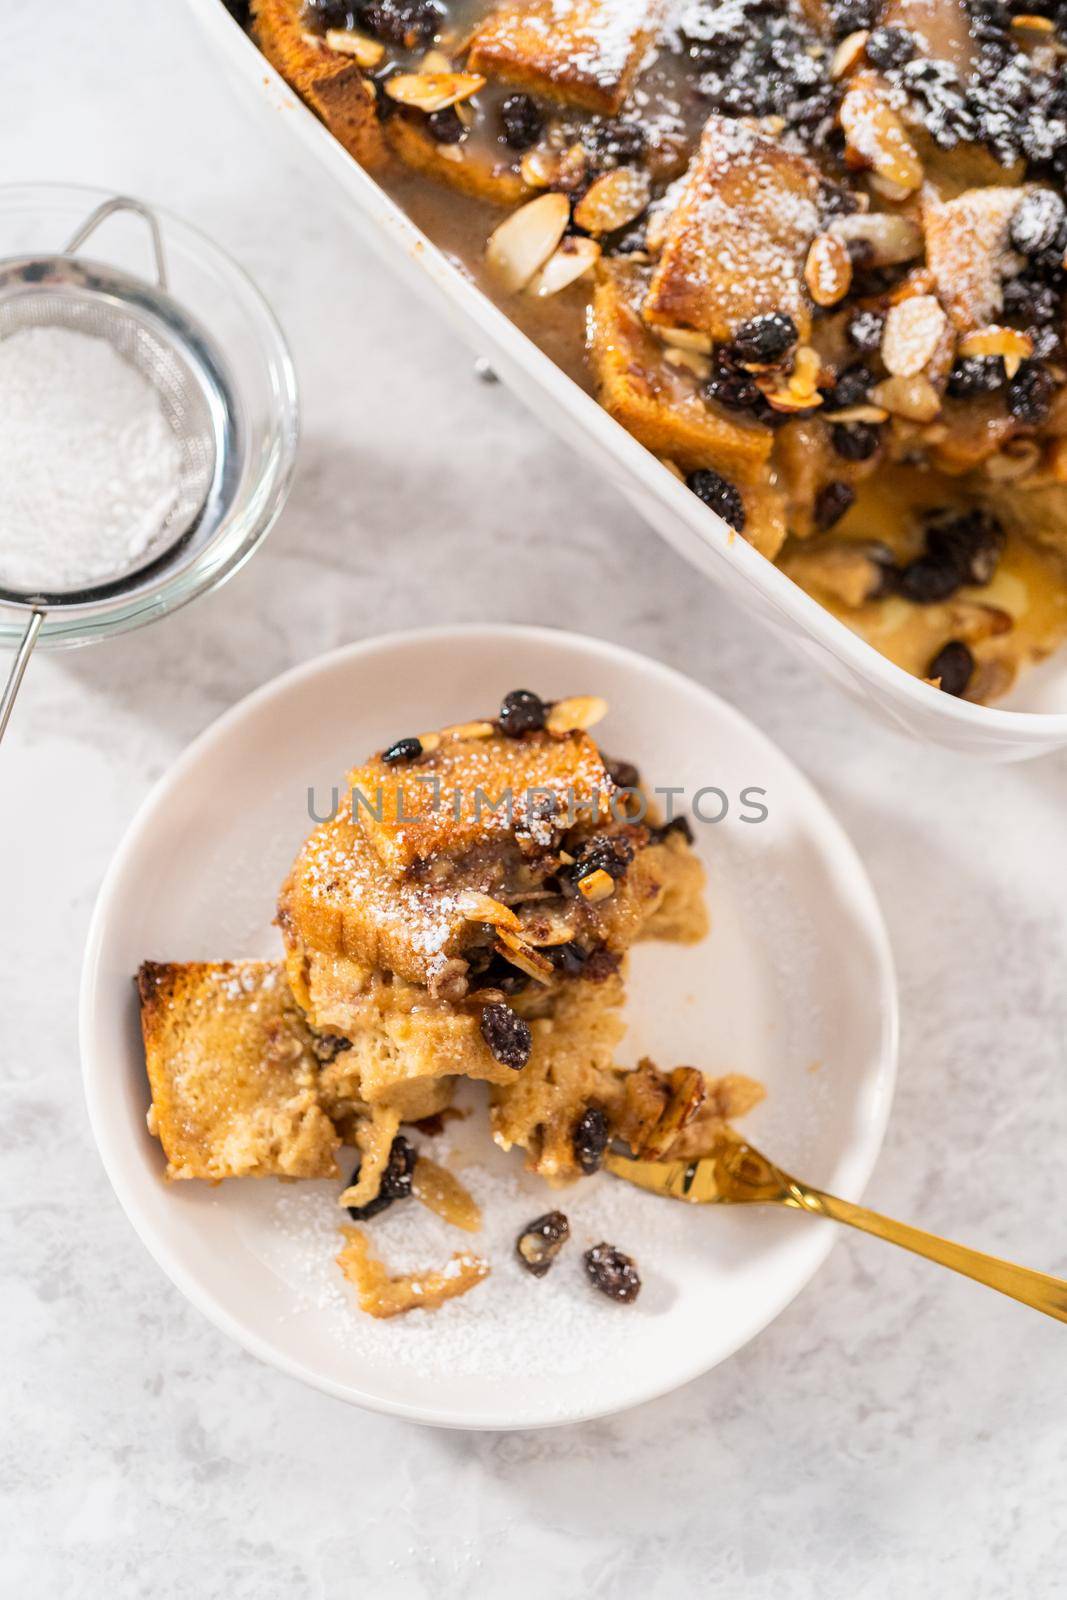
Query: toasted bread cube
[[737, 240], [661, 405], [465, 167], [586, 53], [968, 250], [233, 1073], [331, 84], [658, 403], [470, 791]]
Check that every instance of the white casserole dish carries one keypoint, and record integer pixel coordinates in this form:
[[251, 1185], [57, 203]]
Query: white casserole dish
[[1031, 722]]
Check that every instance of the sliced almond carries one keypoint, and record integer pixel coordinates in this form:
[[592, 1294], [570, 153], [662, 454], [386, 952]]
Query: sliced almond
[[480, 729], [573, 164], [915, 398], [573, 258], [687, 339], [691, 360], [597, 886], [913, 331], [828, 270], [435, 61], [523, 956], [890, 239], [364, 52], [576, 713], [875, 137], [857, 414], [848, 54], [433, 91], [993, 340], [804, 379], [613, 200], [1027, 23], [539, 168], [441, 1191], [523, 242], [477, 907], [688, 1093]]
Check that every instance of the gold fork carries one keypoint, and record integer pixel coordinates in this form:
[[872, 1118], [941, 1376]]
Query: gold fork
[[734, 1173]]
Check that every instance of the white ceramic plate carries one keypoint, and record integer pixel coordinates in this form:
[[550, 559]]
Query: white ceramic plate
[[794, 985]]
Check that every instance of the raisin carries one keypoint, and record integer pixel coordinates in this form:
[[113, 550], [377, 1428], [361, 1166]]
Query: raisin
[[395, 1184], [521, 711], [445, 126], [1030, 301], [1038, 222], [615, 144], [239, 10], [507, 1035], [851, 389], [623, 773], [763, 341], [1030, 394], [855, 441], [613, 1273], [864, 331], [402, 750], [401, 22], [954, 665], [835, 201], [976, 375], [831, 503], [972, 543], [733, 388], [719, 494], [607, 852], [926, 581], [890, 47], [590, 1139], [680, 825], [569, 958], [522, 121], [541, 1241]]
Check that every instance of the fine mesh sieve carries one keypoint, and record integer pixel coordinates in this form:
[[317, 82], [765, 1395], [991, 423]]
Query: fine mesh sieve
[[150, 330]]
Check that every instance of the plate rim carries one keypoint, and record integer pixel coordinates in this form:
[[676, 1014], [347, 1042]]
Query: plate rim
[[94, 1075]]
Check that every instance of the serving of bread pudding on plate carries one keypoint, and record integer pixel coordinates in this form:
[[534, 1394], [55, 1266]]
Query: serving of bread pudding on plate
[[465, 914], [811, 255]]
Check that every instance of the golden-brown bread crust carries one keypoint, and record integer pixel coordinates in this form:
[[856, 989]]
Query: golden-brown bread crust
[[467, 169], [586, 54], [233, 1073], [663, 408], [737, 240], [331, 84]]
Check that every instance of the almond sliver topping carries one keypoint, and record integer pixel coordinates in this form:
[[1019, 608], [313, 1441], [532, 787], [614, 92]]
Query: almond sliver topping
[[1008, 343], [477, 907], [913, 330], [914, 399], [828, 270], [364, 52], [570, 261], [875, 135], [596, 886], [575, 714], [613, 200], [523, 242], [891, 239], [433, 91]]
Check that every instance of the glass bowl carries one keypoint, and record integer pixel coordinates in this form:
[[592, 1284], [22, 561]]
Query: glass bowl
[[218, 295]]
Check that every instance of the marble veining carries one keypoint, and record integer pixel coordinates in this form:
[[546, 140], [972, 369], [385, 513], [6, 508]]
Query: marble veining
[[896, 1431]]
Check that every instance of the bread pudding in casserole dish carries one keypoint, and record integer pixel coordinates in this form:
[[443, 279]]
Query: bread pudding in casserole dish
[[811, 255]]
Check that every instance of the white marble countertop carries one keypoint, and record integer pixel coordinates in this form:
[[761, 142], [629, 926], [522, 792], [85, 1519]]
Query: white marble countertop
[[896, 1431]]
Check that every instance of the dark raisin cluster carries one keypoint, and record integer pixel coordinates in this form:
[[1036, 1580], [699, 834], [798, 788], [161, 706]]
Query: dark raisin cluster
[[606, 852], [758, 60], [719, 494], [507, 1035], [960, 549]]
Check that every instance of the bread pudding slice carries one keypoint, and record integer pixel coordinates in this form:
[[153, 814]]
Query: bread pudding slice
[[234, 1073], [333, 84], [585, 52], [737, 240]]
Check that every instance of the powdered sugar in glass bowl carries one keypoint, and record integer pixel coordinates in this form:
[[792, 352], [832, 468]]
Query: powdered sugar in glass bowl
[[216, 294]]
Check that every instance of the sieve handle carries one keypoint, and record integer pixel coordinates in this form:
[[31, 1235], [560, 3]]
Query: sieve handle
[[122, 202], [18, 668]]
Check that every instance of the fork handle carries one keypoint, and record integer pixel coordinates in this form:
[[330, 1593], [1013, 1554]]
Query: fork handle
[[1037, 1289]]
